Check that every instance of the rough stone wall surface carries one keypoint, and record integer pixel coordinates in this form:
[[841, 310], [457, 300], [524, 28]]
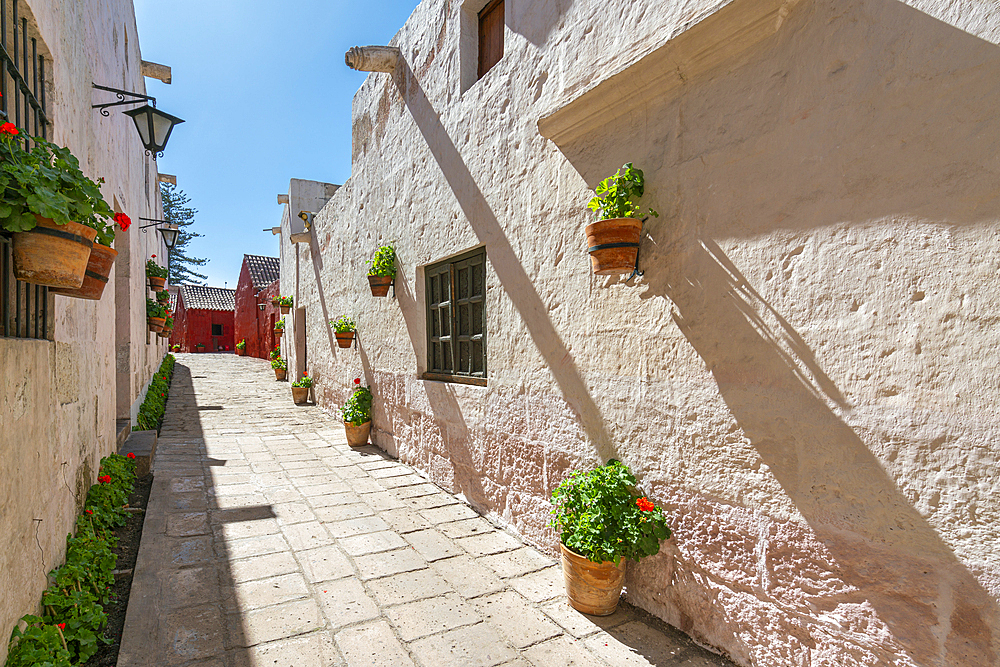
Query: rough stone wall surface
[[59, 398], [804, 376]]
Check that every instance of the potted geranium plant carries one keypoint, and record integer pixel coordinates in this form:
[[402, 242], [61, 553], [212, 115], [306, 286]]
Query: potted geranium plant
[[279, 328], [280, 367], [168, 327], [602, 520], [275, 353], [241, 348], [176, 347], [200, 347], [344, 329], [54, 212], [613, 241], [156, 275], [382, 270], [285, 304], [357, 414], [300, 389], [102, 258], [156, 315]]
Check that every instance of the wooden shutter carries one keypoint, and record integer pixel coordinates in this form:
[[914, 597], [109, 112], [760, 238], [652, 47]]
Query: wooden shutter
[[456, 318], [490, 36]]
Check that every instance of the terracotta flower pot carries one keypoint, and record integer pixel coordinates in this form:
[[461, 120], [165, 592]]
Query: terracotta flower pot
[[53, 255], [155, 323], [380, 285], [284, 309], [613, 245], [156, 284], [278, 333], [279, 373], [102, 258], [593, 588], [199, 348], [163, 334], [357, 436], [344, 339], [300, 395], [240, 353]]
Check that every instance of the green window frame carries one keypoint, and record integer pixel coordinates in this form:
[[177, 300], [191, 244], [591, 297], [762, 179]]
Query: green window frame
[[456, 318]]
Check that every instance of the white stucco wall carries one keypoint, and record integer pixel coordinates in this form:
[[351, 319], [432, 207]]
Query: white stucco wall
[[59, 399], [805, 375]]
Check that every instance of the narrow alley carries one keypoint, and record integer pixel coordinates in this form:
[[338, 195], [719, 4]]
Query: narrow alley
[[269, 541]]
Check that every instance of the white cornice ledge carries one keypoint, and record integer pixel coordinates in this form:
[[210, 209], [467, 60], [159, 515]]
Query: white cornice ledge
[[707, 44]]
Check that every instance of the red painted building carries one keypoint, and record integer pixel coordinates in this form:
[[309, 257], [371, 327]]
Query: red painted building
[[204, 315], [255, 315]]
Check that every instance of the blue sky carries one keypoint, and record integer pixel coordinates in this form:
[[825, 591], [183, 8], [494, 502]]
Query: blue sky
[[266, 97]]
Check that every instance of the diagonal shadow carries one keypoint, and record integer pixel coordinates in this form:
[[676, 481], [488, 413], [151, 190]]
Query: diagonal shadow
[[505, 263]]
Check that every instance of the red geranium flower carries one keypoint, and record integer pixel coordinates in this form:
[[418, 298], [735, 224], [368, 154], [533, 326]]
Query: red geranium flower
[[130, 455], [645, 504], [357, 380], [89, 511], [123, 221], [305, 374], [9, 128], [61, 626], [154, 256]]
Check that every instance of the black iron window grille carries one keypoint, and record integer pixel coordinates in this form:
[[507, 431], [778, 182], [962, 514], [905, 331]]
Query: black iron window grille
[[456, 318], [24, 308]]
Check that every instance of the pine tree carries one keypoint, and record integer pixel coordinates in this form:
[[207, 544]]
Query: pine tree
[[177, 211]]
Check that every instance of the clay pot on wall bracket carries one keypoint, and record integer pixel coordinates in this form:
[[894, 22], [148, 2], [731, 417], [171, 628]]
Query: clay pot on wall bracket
[[157, 284], [279, 373], [156, 323], [277, 333], [300, 395], [284, 309], [344, 339], [380, 285], [593, 588], [357, 436], [102, 258], [163, 334], [613, 245], [53, 255]]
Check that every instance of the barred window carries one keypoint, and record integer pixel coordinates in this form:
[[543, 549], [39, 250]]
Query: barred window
[[25, 309], [456, 318]]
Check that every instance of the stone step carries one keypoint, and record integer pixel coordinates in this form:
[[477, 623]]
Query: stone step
[[143, 445]]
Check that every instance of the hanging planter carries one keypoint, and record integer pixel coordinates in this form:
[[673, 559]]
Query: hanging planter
[[54, 250], [95, 278], [156, 315], [285, 304], [382, 270], [344, 330], [53, 255], [280, 367], [357, 414], [155, 324], [613, 241], [279, 328], [156, 275]]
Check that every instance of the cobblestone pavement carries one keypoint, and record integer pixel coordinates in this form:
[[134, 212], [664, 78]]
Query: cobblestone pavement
[[269, 541]]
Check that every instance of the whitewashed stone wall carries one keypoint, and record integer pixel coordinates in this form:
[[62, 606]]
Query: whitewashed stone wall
[[59, 399], [806, 374]]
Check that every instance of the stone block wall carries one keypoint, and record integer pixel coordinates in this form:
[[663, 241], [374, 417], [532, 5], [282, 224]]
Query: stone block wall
[[803, 374], [59, 398]]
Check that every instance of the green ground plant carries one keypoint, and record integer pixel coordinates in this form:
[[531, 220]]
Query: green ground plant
[[151, 411], [601, 516], [358, 408]]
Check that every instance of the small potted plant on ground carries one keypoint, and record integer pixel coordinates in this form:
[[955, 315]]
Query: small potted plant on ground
[[156, 275], [285, 304], [280, 367], [344, 329], [241, 348], [613, 241], [602, 520], [357, 413], [156, 315], [55, 214], [300, 389], [175, 347], [279, 328], [382, 270], [200, 347]]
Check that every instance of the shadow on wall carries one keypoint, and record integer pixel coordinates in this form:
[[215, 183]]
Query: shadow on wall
[[505, 263], [844, 117]]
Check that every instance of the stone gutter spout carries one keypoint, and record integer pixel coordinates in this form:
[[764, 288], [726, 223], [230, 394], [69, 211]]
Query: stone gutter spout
[[372, 58]]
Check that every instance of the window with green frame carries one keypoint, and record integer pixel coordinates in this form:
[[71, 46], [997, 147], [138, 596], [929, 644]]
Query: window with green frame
[[456, 318]]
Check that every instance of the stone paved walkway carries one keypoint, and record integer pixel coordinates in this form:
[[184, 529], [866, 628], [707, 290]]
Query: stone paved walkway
[[269, 541]]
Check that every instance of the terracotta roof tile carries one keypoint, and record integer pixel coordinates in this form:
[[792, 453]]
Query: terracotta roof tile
[[208, 298], [263, 270]]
